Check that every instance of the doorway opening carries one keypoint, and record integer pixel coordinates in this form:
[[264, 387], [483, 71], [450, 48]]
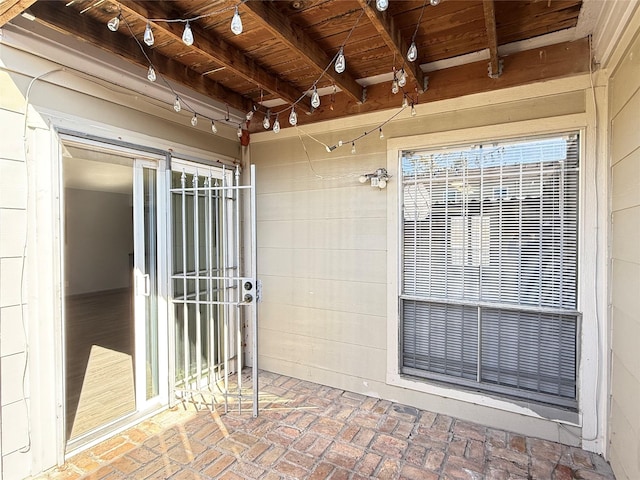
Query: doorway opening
[[111, 265]]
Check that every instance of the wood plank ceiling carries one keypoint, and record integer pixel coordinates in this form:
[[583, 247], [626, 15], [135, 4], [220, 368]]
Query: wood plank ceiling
[[289, 46]]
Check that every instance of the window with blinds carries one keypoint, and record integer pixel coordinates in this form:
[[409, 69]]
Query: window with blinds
[[489, 267]]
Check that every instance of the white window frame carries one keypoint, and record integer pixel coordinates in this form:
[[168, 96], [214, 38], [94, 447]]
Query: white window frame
[[591, 362]]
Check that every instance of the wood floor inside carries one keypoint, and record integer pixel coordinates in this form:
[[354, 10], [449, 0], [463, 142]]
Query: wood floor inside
[[99, 360]]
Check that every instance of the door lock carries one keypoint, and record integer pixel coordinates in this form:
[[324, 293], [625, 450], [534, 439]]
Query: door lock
[[248, 291]]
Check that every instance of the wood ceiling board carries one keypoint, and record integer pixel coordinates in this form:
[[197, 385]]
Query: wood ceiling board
[[555, 61], [85, 28], [12, 8], [211, 47], [282, 28], [492, 38]]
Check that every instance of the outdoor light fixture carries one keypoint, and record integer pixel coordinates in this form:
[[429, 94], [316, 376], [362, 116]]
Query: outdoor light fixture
[[378, 179]]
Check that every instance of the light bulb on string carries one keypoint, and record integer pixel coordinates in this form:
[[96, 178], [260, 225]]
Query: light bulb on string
[[434, 2], [353, 147], [405, 102], [214, 129], [114, 23], [394, 86], [176, 105], [194, 120], [276, 125], [412, 54], [293, 117], [239, 132], [148, 35], [402, 78], [266, 123], [151, 74], [250, 113], [236, 23], [382, 5], [341, 63], [315, 98], [413, 110], [187, 35], [381, 136]]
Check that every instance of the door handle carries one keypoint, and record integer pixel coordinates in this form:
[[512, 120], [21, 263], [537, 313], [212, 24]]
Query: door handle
[[143, 285]]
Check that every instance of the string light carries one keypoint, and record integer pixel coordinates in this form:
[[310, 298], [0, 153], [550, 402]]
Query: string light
[[250, 113], [413, 109], [114, 23], [148, 35], [402, 78], [266, 123], [412, 53], [341, 63], [236, 23], [187, 35], [382, 5], [434, 2], [315, 98], [394, 85]]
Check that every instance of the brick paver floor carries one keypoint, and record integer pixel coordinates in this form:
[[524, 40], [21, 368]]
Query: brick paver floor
[[310, 431]]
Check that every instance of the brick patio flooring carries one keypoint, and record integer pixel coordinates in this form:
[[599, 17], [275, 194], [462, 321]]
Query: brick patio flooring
[[310, 431]]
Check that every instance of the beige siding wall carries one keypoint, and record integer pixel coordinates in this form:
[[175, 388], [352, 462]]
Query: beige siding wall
[[13, 224], [624, 95], [322, 253]]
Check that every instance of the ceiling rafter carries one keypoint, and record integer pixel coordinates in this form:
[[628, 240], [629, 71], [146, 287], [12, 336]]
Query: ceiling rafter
[[385, 26], [217, 50], [489, 7], [86, 29], [280, 26], [528, 66], [13, 8]]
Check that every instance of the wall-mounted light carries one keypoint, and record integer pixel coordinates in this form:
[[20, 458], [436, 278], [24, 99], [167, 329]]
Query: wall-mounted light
[[378, 179]]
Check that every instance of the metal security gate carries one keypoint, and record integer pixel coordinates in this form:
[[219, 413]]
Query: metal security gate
[[213, 284]]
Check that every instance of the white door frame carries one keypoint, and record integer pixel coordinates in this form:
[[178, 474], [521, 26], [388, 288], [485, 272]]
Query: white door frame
[[142, 157]]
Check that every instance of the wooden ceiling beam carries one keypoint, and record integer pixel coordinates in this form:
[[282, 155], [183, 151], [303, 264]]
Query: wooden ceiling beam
[[282, 28], [495, 69], [12, 8], [57, 16], [215, 49], [385, 26], [521, 68]]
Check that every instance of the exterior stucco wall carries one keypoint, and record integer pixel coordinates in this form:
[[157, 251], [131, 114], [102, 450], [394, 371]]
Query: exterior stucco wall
[[323, 254], [624, 111]]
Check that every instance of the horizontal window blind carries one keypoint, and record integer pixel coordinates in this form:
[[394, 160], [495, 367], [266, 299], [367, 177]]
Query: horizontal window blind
[[489, 266]]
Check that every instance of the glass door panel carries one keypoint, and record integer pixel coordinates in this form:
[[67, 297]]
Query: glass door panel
[[146, 281]]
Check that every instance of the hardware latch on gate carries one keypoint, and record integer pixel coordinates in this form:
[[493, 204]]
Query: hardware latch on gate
[[249, 291]]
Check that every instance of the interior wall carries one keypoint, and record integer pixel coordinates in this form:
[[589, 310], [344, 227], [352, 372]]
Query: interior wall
[[322, 254], [624, 98], [98, 240]]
